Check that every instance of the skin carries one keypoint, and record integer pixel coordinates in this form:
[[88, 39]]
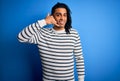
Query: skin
[[58, 19]]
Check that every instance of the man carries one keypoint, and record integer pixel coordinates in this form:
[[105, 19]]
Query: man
[[57, 46]]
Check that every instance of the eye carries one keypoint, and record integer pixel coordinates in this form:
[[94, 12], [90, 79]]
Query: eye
[[65, 15], [57, 15]]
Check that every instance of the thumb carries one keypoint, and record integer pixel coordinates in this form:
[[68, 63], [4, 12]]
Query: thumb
[[48, 14]]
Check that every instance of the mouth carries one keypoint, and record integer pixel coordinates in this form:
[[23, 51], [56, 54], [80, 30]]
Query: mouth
[[60, 23]]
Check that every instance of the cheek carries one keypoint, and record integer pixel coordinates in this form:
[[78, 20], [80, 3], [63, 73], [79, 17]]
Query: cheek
[[66, 19], [56, 18]]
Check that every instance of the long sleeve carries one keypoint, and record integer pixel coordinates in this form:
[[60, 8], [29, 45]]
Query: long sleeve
[[30, 33], [79, 59]]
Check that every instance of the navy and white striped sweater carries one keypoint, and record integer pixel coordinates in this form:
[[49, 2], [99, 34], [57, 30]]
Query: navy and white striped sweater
[[57, 51]]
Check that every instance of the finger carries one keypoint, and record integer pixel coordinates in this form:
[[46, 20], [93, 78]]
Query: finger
[[55, 23], [48, 14]]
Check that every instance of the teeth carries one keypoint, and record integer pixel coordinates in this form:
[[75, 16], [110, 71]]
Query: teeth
[[61, 22]]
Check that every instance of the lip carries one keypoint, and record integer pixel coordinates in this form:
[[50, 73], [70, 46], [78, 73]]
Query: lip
[[61, 23]]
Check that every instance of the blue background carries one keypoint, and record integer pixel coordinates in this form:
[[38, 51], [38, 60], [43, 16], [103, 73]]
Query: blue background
[[97, 21]]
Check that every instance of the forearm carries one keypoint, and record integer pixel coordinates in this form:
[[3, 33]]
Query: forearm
[[28, 34], [80, 68]]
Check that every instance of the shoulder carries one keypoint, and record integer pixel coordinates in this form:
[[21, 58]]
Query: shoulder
[[46, 29], [73, 31]]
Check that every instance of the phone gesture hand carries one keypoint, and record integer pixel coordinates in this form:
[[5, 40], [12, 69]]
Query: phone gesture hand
[[50, 20]]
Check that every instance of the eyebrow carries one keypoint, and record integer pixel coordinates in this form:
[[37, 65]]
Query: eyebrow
[[59, 13]]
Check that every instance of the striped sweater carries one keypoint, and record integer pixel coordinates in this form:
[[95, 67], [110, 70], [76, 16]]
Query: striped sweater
[[57, 51]]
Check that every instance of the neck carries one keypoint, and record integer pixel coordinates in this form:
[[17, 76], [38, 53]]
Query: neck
[[58, 28]]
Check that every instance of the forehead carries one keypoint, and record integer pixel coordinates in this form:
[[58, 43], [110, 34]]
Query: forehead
[[60, 10]]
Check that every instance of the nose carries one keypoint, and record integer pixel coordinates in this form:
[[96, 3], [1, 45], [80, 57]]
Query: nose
[[62, 17]]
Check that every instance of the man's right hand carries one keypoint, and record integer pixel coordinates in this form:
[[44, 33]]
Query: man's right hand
[[50, 20]]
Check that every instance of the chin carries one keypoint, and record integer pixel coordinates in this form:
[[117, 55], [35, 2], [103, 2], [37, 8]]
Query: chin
[[61, 26]]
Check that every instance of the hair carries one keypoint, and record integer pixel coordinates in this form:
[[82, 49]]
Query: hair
[[69, 20]]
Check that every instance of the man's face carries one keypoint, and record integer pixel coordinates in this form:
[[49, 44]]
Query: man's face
[[60, 16]]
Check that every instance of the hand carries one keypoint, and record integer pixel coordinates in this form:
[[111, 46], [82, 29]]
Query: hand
[[81, 78], [50, 20]]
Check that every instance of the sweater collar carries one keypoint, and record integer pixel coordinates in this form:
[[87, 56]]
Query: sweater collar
[[60, 31]]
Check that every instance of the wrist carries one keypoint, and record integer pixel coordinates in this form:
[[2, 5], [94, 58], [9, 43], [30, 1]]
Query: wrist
[[81, 78], [42, 22]]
